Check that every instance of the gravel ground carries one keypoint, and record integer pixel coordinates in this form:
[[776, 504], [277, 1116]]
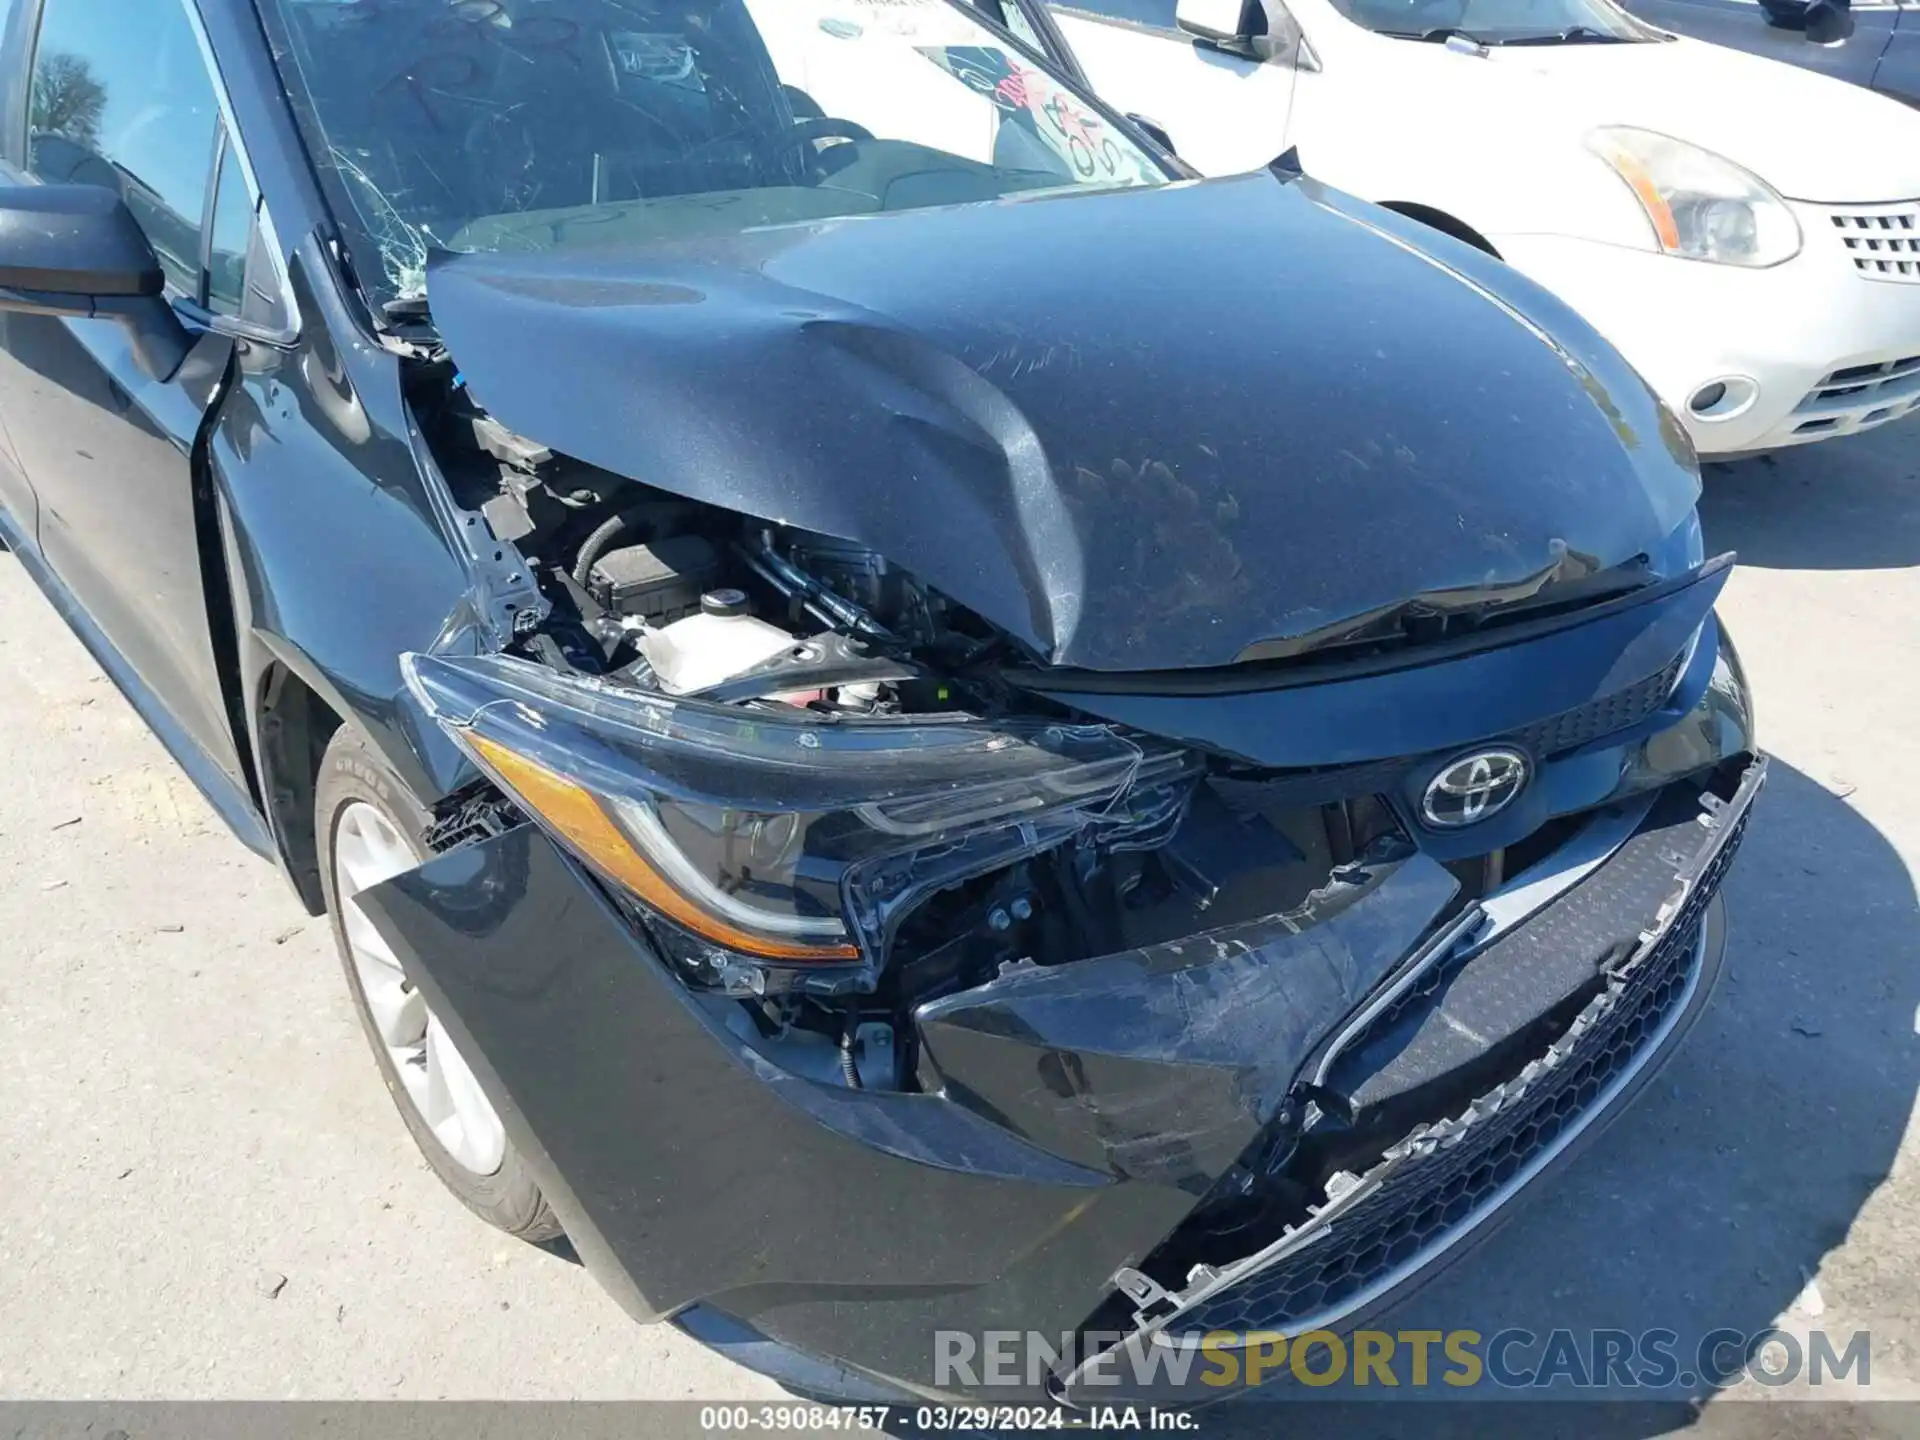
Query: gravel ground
[[209, 1195]]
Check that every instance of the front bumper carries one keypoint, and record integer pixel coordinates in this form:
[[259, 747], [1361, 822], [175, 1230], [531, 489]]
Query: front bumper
[[1075, 1118], [1392, 1229], [1829, 349]]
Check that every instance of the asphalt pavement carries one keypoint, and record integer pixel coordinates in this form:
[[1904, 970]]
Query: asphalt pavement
[[205, 1192]]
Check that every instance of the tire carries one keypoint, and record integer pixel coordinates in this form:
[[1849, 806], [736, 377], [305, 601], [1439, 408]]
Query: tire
[[353, 777]]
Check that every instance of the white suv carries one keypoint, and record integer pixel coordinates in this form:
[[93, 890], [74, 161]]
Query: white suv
[[1746, 233]]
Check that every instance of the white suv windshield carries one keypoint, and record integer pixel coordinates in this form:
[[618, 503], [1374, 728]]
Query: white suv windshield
[[1499, 22], [520, 124]]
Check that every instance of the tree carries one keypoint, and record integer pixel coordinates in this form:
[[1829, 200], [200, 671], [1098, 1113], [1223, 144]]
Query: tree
[[67, 100]]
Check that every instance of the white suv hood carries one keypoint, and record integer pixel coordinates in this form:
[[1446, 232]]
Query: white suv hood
[[1808, 136]]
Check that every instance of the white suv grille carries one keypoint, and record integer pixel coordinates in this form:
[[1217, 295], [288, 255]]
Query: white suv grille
[[1860, 397], [1884, 241]]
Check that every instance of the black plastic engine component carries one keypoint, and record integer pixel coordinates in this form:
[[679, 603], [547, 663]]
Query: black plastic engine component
[[660, 582], [1214, 846], [851, 571]]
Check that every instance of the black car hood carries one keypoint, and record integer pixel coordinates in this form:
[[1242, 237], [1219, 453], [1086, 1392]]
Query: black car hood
[[1139, 430]]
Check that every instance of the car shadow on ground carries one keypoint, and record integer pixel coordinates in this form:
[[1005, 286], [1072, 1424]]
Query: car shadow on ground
[[1850, 504], [560, 1248], [1713, 1200]]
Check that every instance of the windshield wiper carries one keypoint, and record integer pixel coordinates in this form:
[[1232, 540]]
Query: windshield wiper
[[1436, 35], [1572, 35]]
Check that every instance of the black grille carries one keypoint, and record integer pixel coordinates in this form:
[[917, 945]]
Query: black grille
[[1276, 790], [1584, 724], [1429, 1197]]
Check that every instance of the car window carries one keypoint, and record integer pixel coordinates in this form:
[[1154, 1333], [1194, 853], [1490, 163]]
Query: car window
[[1157, 13], [1010, 15], [518, 124], [233, 207], [121, 97]]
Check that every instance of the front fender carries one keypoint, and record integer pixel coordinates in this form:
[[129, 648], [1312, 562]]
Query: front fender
[[1485, 151], [337, 559]]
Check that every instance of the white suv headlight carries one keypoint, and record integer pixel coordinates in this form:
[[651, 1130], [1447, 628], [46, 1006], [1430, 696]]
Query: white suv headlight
[[1701, 206]]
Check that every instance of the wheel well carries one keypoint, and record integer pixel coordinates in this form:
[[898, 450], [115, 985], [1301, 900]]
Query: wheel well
[[295, 726], [1443, 222]]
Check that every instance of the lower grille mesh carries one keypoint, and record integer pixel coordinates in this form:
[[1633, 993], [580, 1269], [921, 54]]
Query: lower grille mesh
[[1860, 396], [1429, 1197]]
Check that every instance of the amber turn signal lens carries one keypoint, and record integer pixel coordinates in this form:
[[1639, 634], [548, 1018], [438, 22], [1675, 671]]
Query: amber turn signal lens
[[578, 817], [1651, 200]]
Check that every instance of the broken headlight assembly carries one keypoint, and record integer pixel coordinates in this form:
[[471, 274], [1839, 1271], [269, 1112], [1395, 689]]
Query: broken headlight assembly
[[773, 849]]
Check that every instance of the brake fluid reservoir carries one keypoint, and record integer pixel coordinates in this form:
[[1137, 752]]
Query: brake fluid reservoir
[[722, 641]]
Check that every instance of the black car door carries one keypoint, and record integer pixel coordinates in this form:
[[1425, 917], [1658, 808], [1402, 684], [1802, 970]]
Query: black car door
[[123, 95], [1845, 42], [1899, 72]]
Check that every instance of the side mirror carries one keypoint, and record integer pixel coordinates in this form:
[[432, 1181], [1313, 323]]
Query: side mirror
[[1824, 22], [1263, 30], [76, 250], [1828, 22]]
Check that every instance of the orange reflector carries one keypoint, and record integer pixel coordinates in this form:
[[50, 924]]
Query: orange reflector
[[577, 815]]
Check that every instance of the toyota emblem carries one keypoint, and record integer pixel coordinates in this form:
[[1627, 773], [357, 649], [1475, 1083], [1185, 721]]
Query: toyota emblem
[[1473, 788]]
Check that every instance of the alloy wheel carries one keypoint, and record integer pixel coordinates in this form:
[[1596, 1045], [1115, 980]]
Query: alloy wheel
[[367, 849]]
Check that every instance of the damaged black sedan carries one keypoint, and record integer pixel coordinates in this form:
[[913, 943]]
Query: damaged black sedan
[[912, 722]]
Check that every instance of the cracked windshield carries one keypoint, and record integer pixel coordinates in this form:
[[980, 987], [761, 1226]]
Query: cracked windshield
[[529, 124]]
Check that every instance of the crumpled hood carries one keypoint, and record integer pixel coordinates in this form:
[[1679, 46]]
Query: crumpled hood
[[1795, 129], [1138, 430]]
